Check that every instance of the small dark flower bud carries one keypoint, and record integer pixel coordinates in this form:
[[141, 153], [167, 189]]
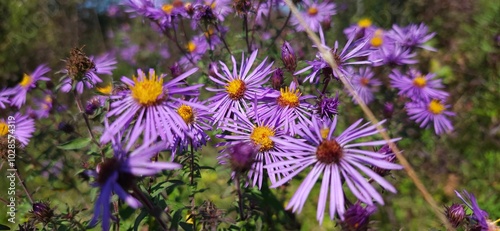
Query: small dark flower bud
[[356, 217], [389, 156], [242, 6], [388, 110], [42, 212], [327, 107], [65, 127], [455, 214], [92, 105], [288, 57], [176, 70], [212, 69], [241, 156], [277, 79]]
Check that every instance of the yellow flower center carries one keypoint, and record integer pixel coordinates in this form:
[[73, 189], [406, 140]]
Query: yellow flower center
[[436, 107], [324, 132], [147, 91], [186, 112], [48, 99], [191, 46], [106, 90], [365, 23], [212, 6], [26, 81], [312, 11], [377, 39], [261, 136], [167, 8], [419, 81], [288, 97], [236, 89], [4, 128], [209, 33]]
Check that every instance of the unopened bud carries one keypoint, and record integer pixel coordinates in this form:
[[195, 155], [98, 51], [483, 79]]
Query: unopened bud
[[277, 79], [389, 157], [455, 214], [212, 69], [42, 212], [176, 70], [388, 110], [327, 107], [288, 57], [356, 217], [242, 155]]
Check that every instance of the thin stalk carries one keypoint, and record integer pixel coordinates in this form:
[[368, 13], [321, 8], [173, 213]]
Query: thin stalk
[[327, 56], [151, 209], [222, 38], [87, 123], [281, 29], [24, 186], [245, 25], [240, 197], [115, 205]]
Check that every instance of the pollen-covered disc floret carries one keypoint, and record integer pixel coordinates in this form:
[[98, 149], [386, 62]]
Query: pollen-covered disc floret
[[261, 136], [436, 107], [187, 113], [148, 91], [329, 151], [289, 97], [236, 89]]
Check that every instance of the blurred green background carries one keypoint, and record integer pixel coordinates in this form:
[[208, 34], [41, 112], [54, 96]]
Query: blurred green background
[[468, 60]]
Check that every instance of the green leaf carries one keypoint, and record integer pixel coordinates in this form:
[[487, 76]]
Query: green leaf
[[75, 144]]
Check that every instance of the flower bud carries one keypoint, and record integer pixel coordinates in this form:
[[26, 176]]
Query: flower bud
[[356, 217], [388, 110], [288, 57], [212, 69], [327, 107], [42, 212], [455, 214], [277, 79], [241, 156], [176, 70], [389, 156]]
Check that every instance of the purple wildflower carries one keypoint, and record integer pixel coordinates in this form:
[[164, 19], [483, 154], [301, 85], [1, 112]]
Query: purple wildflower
[[314, 13], [117, 175], [431, 111], [288, 57], [287, 103], [335, 159], [341, 59], [392, 54], [357, 217], [364, 84], [412, 36], [27, 83], [327, 106], [24, 127], [361, 29], [416, 86], [82, 70], [221, 8], [195, 49], [239, 87], [44, 107], [260, 133], [455, 214], [151, 103], [240, 156]]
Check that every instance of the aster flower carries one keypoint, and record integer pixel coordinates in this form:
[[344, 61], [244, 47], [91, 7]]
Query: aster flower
[[417, 86], [220, 8], [478, 215], [83, 71], [195, 49], [151, 103], [44, 106], [287, 103], [198, 120], [242, 130], [412, 36], [455, 214], [212, 36], [365, 84], [27, 83], [262, 9], [361, 29], [352, 50], [117, 175], [334, 158], [431, 111], [327, 106], [392, 54], [140, 7], [4, 96], [314, 12], [24, 128], [239, 86]]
